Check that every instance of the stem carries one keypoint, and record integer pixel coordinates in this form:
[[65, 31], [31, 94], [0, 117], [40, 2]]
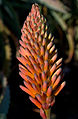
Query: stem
[[48, 113]]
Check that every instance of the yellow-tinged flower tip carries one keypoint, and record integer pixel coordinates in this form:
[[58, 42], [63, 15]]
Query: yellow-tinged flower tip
[[40, 68]]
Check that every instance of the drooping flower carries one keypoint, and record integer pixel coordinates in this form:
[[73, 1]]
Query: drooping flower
[[39, 66]]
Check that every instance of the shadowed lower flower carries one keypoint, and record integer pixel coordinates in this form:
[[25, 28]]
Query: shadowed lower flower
[[40, 69]]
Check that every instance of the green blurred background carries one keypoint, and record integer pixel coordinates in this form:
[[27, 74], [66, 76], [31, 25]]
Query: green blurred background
[[62, 17]]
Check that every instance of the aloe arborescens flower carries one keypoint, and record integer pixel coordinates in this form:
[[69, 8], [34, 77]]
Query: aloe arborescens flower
[[39, 66]]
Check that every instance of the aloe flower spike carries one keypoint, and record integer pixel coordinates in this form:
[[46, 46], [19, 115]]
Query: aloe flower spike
[[40, 68]]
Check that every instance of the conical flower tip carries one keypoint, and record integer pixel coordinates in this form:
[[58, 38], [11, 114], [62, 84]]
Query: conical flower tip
[[40, 68]]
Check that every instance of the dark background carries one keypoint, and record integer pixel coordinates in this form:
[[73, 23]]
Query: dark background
[[12, 16]]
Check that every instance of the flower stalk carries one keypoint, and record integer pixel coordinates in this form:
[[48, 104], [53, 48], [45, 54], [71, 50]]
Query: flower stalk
[[48, 113]]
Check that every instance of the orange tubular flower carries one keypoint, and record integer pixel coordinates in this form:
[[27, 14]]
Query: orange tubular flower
[[39, 66]]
